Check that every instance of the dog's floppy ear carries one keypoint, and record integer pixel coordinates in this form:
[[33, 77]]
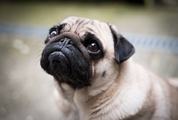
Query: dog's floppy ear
[[123, 48]]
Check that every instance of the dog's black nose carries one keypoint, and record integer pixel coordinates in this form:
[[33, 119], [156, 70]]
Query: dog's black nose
[[54, 56], [59, 62], [58, 59], [64, 59]]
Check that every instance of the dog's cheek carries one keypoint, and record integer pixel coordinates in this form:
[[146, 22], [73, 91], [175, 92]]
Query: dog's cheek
[[105, 70]]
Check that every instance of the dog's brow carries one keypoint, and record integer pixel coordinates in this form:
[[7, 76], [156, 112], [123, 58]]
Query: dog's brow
[[61, 26], [57, 27], [52, 28], [89, 35]]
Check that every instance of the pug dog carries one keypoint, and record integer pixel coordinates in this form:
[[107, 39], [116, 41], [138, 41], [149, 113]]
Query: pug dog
[[91, 63]]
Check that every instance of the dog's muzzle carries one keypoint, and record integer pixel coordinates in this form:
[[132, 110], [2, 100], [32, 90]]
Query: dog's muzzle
[[66, 59]]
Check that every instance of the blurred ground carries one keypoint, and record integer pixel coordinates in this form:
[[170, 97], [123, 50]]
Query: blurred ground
[[27, 92]]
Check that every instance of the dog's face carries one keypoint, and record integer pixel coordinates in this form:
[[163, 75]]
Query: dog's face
[[80, 51]]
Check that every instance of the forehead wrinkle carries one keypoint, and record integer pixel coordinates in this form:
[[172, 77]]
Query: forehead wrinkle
[[82, 25], [77, 25]]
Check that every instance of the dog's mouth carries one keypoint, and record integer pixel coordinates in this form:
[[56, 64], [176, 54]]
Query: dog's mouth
[[64, 59]]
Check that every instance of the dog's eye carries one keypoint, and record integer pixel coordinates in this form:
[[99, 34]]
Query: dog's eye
[[93, 47], [53, 33]]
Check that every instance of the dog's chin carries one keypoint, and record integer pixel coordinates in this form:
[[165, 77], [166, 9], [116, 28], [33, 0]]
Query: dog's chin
[[66, 65]]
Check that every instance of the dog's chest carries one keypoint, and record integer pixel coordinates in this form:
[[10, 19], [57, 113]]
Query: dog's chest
[[111, 106]]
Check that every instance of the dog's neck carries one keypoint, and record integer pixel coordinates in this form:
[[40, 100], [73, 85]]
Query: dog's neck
[[114, 100]]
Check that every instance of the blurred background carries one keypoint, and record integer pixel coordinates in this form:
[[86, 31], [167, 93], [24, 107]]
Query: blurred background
[[27, 92]]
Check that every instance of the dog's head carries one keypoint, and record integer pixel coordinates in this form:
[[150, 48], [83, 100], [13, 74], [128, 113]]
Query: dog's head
[[79, 51]]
